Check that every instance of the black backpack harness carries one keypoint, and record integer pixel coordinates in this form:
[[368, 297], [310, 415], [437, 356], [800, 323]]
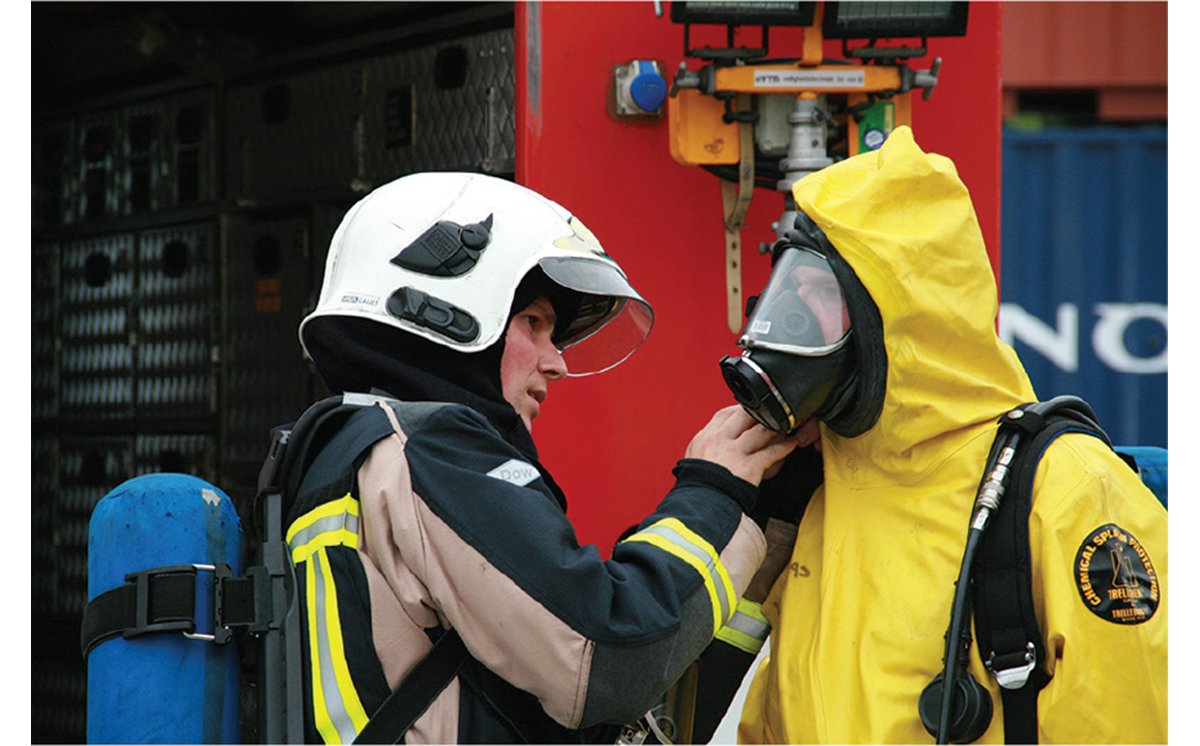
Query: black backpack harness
[[999, 583], [1006, 625]]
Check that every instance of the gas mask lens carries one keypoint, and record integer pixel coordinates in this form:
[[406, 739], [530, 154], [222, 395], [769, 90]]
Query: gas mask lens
[[795, 349], [801, 310]]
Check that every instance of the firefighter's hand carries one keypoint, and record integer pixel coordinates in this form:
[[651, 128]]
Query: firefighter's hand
[[733, 439]]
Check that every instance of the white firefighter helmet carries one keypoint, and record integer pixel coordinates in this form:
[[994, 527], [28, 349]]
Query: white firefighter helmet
[[441, 255]]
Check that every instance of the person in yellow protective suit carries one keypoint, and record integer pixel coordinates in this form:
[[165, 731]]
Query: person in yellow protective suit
[[859, 615]]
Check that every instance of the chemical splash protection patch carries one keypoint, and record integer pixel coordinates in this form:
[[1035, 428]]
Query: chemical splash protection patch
[[1115, 577]]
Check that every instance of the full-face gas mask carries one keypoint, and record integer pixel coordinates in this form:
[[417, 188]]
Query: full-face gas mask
[[800, 356]]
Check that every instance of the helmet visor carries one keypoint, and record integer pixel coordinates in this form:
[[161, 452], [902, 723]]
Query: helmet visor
[[603, 322], [802, 310]]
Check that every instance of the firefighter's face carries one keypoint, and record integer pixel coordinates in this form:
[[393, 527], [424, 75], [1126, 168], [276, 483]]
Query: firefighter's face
[[530, 359]]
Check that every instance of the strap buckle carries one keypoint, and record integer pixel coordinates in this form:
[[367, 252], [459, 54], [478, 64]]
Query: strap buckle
[[221, 633], [1012, 670]]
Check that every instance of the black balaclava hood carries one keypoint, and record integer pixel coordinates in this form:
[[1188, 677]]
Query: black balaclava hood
[[361, 355]]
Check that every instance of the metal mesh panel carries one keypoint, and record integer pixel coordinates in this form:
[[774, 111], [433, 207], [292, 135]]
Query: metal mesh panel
[[176, 314], [348, 128], [70, 477], [59, 685], [59, 677], [140, 158], [190, 151], [52, 163], [177, 454], [44, 311], [136, 336], [44, 482], [95, 160], [88, 469], [96, 363], [462, 109], [293, 136], [267, 381], [166, 151]]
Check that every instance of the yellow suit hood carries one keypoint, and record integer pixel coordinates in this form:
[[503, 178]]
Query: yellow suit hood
[[904, 222]]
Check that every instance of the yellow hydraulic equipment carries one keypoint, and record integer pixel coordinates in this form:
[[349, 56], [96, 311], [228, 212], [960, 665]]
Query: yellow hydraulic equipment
[[759, 122]]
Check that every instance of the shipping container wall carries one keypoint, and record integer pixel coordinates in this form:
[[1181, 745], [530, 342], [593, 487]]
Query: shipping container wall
[[1113, 50], [1083, 279]]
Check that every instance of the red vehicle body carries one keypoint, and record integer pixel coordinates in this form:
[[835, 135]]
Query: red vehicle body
[[611, 440]]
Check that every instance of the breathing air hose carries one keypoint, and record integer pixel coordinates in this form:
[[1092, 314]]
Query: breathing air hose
[[986, 503]]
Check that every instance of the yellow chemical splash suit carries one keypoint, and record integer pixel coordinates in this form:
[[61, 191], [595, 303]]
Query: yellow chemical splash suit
[[858, 617]]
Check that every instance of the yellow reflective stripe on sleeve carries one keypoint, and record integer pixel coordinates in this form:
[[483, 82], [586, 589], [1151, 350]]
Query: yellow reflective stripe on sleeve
[[748, 628], [673, 537], [334, 523], [337, 709]]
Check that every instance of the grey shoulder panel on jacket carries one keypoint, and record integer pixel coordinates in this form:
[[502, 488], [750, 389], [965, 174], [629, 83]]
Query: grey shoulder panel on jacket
[[410, 415]]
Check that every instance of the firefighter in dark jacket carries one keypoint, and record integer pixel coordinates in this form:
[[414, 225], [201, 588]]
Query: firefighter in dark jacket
[[450, 302]]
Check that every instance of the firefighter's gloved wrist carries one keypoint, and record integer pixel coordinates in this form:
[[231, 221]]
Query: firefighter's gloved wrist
[[710, 474], [781, 541], [747, 630]]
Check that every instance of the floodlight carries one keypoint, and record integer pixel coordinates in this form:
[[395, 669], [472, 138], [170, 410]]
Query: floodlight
[[889, 20]]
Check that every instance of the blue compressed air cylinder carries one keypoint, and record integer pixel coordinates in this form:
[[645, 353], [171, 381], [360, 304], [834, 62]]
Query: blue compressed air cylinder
[[163, 687]]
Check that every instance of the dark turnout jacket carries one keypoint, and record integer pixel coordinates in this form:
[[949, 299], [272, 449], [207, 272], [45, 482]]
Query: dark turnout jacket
[[419, 518]]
